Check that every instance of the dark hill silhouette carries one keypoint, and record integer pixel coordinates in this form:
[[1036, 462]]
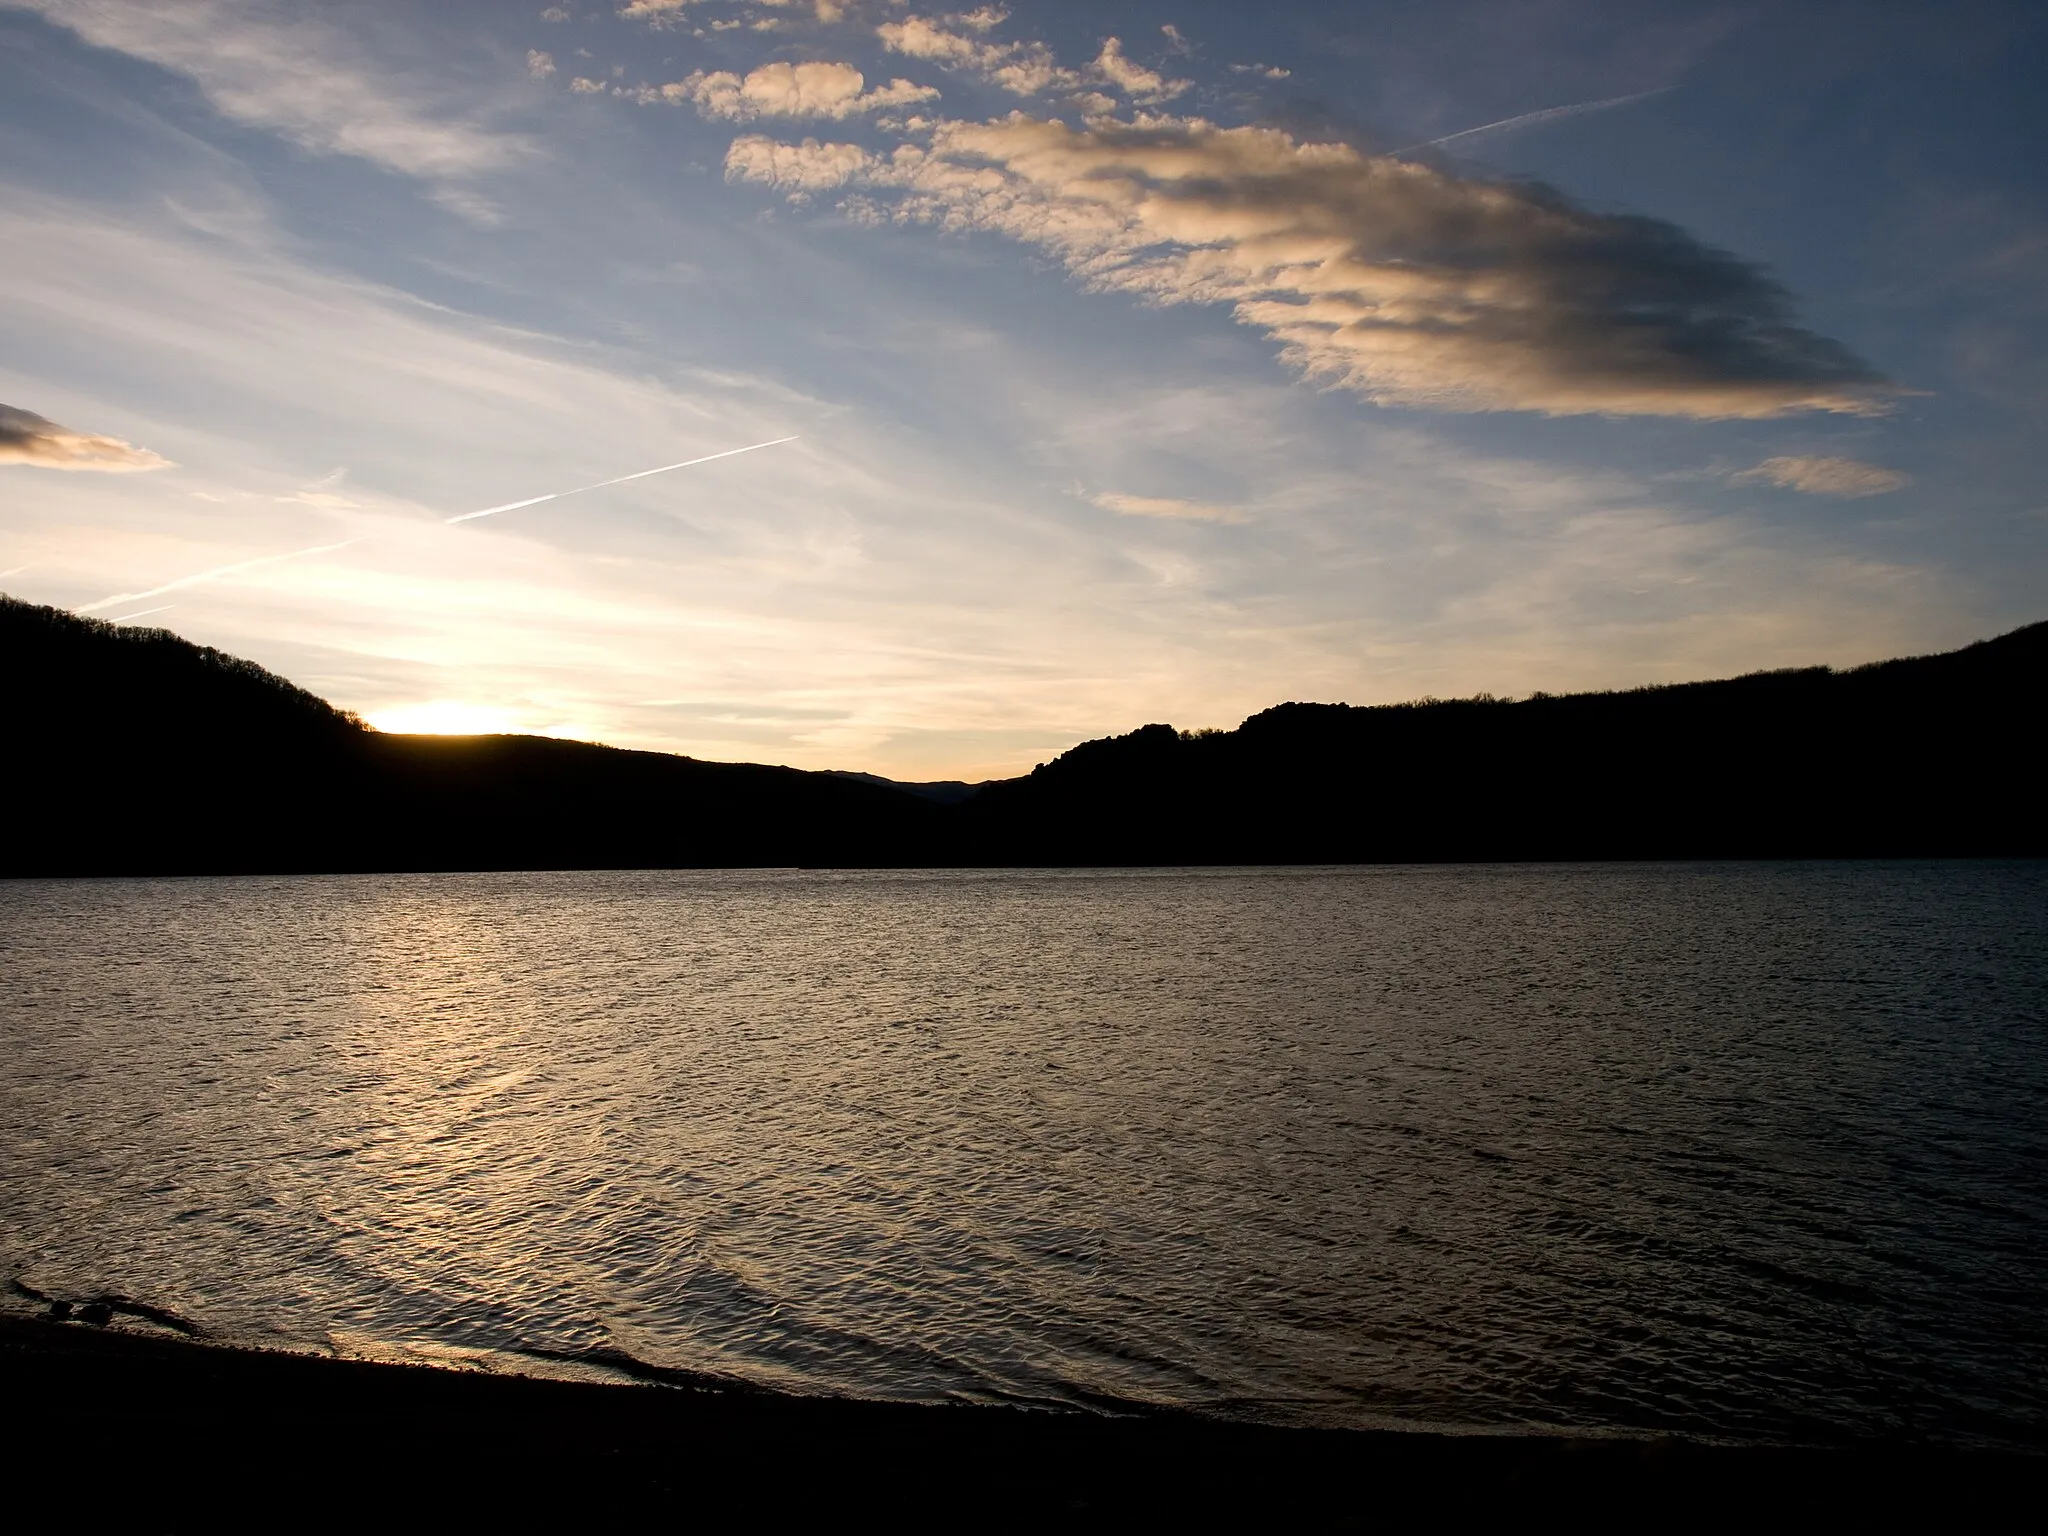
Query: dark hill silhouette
[[945, 791], [1930, 755], [134, 751]]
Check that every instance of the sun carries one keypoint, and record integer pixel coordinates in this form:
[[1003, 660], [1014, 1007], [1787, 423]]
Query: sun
[[444, 717]]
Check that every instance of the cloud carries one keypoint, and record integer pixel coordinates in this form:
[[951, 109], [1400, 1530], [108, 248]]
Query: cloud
[[539, 65], [1266, 71], [296, 75], [791, 90], [1402, 282], [957, 42], [1022, 68], [1817, 475], [1143, 85], [796, 170], [669, 13], [1165, 506], [26, 438]]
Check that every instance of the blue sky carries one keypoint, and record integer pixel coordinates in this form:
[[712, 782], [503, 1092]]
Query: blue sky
[[1157, 379]]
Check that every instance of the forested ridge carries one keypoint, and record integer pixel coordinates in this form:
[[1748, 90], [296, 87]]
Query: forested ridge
[[143, 753], [134, 751]]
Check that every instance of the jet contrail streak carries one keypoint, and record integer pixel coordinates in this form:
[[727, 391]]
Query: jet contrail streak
[[145, 613], [213, 575], [16, 570], [326, 549], [534, 501], [1530, 119]]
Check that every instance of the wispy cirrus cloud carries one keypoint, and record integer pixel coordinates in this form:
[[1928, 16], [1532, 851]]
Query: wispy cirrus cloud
[[296, 74], [1821, 475], [1405, 283], [26, 438], [1165, 506]]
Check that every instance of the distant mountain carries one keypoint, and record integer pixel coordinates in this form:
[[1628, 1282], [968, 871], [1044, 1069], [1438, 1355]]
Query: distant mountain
[[132, 751]]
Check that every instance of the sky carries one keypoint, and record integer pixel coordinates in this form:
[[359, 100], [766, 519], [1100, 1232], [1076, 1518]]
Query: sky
[[1096, 364]]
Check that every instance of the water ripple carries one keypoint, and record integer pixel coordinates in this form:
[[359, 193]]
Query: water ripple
[[1750, 1151]]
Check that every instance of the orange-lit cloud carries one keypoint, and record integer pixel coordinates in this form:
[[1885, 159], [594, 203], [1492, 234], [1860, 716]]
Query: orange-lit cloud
[[816, 89], [1405, 283], [668, 13], [1142, 85], [963, 43]]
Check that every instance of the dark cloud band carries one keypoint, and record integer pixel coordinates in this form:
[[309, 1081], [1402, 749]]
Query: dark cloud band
[[26, 438]]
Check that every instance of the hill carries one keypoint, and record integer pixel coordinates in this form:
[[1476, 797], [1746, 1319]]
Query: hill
[[134, 751], [1929, 755]]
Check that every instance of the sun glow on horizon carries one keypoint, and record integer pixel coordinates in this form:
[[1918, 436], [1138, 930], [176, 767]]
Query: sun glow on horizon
[[451, 717]]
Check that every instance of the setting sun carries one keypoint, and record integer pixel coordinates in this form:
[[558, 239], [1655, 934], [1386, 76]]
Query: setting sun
[[446, 717]]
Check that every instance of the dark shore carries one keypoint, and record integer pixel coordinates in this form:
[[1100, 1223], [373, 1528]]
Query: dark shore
[[180, 1435]]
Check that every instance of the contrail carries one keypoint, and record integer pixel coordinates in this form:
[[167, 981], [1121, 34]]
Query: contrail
[[1530, 119], [145, 613], [534, 501], [16, 570], [325, 549], [212, 575]]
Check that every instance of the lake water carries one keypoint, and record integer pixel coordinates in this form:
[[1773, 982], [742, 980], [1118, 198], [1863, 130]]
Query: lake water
[[1755, 1151]]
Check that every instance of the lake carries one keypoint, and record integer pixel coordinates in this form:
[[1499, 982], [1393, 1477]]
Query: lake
[[1754, 1151]]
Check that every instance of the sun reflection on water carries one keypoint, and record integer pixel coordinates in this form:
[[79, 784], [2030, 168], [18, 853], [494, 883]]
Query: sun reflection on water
[[1454, 1146]]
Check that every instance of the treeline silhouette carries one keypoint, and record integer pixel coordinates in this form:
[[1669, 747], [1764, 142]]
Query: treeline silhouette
[[1932, 755], [133, 751]]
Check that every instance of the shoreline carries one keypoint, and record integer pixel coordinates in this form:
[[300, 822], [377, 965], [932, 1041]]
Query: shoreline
[[186, 1430]]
